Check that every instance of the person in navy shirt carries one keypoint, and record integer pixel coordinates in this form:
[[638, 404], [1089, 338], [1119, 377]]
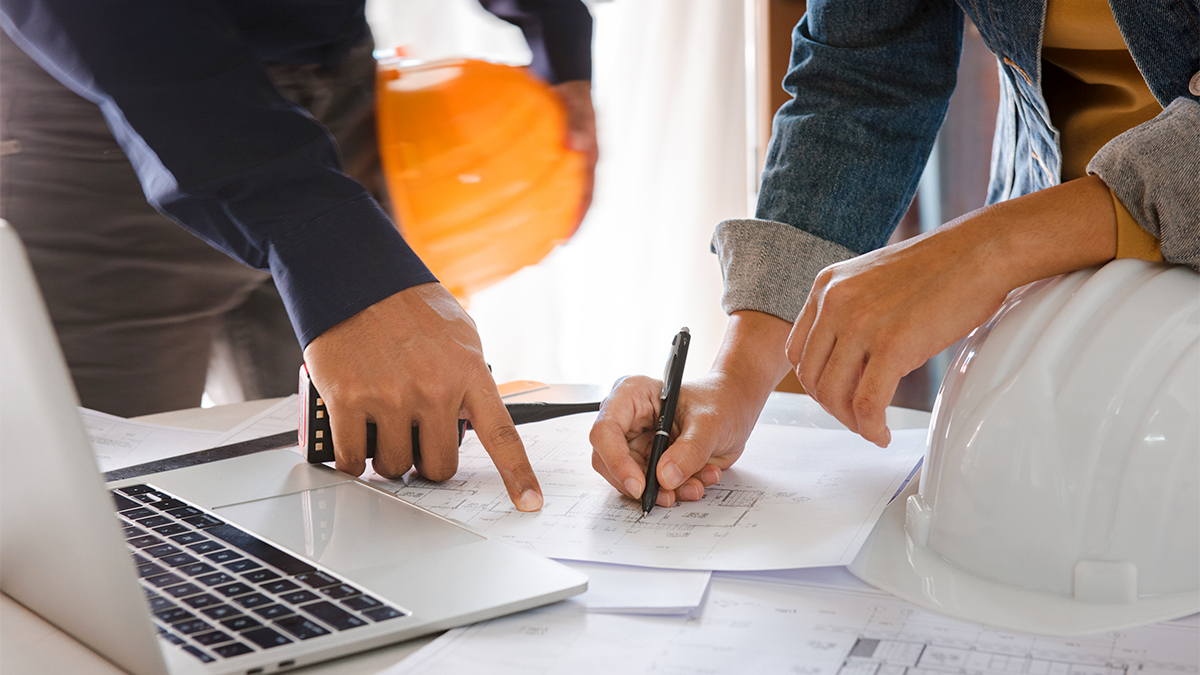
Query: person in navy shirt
[[185, 89]]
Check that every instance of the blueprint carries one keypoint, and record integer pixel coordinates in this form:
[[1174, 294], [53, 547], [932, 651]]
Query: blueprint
[[118, 442], [749, 626], [798, 497], [281, 417]]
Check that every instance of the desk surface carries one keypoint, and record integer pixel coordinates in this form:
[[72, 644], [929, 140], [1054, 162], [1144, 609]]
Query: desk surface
[[29, 644]]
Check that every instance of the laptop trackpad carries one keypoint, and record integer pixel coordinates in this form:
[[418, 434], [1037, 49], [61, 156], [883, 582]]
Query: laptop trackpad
[[348, 526]]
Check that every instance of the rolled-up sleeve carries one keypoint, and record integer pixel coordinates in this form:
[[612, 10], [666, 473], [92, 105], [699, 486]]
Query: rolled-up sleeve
[[770, 267], [870, 86], [1154, 170]]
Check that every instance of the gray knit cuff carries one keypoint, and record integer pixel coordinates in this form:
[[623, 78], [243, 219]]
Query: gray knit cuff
[[1154, 169], [770, 267]]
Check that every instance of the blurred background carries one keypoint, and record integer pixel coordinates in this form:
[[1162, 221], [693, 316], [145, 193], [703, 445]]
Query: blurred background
[[684, 91]]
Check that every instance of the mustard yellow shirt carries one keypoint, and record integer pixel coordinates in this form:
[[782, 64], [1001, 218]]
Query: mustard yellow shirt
[[1095, 93]]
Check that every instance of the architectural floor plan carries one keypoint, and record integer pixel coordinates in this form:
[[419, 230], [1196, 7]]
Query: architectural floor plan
[[798, 497], [748, 626]]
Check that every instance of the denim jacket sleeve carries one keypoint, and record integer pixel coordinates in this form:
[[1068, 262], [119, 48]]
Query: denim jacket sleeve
[[1154, 169], [870, 85]]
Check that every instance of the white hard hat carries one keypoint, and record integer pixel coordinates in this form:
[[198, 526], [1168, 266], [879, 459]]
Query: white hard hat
[[1061, 487]]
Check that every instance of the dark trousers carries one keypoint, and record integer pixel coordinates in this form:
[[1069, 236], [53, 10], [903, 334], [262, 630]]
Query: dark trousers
[[138, 302]]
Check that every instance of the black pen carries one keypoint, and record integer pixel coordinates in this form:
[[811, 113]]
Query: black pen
[[672, 380]]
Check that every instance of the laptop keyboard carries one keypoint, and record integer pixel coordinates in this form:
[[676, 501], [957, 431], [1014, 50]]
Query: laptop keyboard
[[219, 592]]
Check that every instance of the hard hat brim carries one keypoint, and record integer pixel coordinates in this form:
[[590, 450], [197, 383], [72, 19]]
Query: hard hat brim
[[891, 561]]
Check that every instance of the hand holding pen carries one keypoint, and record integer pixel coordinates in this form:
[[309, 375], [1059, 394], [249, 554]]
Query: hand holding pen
[[668, 401], [716, 413]]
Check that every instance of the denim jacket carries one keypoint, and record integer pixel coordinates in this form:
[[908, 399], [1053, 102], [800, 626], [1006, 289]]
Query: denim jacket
[[871, 83]]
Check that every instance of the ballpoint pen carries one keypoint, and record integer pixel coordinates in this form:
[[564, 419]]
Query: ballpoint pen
[[672, 380]]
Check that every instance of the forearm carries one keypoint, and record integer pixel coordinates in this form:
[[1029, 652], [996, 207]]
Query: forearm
[[218, 149], [752, 357], [1060, 229]]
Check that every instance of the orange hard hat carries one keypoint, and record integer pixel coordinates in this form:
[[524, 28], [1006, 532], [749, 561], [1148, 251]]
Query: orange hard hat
[[477, 168]]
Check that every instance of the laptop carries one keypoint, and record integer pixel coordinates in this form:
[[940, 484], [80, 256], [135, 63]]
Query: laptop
[[256, 564]]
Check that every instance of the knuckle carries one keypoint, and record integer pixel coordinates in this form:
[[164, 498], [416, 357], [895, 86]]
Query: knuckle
[[505, 434], [344, 400], [865, 406], [858, 320], [598, 464], [438, 473], [388, 471], [435, 391], [822, 391], [631, 382], [809, 381], [352, 467], [596, 436], [795, 349]]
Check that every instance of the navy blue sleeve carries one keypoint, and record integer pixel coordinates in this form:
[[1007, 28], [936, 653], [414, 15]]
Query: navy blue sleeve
[[559, 33], [219, 150]]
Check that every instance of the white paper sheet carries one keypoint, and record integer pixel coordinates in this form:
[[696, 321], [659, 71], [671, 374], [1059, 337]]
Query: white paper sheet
[[757, 627], [798, 497], [281, 417], [118, 442], [624, 589], [808, 576]]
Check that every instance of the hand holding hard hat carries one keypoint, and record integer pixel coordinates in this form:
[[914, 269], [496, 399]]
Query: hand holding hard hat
[[1061, 487], [1060, 492], [482, 166], [873, 319], [480, 173]]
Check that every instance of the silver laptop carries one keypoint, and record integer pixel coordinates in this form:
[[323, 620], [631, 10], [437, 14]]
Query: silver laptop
[[251, 565]]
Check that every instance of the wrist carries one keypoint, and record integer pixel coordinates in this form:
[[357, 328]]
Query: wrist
[[752, 358]]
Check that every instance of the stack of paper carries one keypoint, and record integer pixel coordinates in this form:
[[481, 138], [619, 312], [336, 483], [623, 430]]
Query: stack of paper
[[622, 589], [798, 497], [799, 625]]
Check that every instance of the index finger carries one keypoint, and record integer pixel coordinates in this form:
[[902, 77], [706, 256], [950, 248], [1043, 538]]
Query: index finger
[[494, 427], [629, 410]]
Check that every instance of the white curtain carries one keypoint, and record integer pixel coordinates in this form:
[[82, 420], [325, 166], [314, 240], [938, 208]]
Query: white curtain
[[669, 88]]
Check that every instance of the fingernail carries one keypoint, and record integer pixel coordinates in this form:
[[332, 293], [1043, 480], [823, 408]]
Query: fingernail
[[671, 475], [690, 492], [887, 437], [530, 501], [633, 487]]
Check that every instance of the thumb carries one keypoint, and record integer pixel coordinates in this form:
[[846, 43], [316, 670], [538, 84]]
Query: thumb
[[685, 457]]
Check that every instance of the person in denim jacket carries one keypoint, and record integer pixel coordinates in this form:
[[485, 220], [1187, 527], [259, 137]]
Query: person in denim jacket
[[1096, 156]]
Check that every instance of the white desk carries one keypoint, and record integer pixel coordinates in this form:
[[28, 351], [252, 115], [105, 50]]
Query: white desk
[[28, 644]]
